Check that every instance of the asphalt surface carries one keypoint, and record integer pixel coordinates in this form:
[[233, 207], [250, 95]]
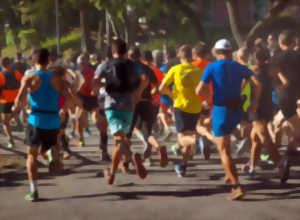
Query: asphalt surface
[[81, 193]]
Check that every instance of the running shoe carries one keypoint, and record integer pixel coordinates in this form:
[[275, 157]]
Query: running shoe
[[140, 169], [86, 133], [236, 194], [110, 178], [32, 196], [10, 144], [180, 170], [163, 156], [80, 143], [105, 156], [284, 170], [175, 150], [247, 170], [264, 157]]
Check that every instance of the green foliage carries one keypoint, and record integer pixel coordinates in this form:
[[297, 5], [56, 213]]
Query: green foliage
[[71, 40], [28, 38], [10, 38]]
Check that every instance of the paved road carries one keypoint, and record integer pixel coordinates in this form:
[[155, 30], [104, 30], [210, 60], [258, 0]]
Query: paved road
[[80, 194]]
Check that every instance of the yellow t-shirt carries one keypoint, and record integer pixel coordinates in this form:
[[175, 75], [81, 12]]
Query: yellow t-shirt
[[185, 78]]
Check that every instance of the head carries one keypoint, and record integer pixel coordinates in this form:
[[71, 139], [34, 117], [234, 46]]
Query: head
[[147, 56], [242, 55], [19, 57], [41, 57], [83, 59], [185, 53], [286, 40], [158, 58], [5, 62], [73, 58], [134, 53], [201, 51], [59, 70], [261, 55], [222, 49], [53, 56], [272, 39], [118, 48]]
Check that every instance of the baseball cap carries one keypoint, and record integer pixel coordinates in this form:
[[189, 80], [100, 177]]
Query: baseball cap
[[223, 44]]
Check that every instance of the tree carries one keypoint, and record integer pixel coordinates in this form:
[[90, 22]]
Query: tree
[[278, 6]]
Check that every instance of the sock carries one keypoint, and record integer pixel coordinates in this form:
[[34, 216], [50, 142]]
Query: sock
[[104, 141], [33, 185], [50, 156]]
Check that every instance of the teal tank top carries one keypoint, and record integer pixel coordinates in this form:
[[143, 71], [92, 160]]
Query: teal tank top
[[44, 104]]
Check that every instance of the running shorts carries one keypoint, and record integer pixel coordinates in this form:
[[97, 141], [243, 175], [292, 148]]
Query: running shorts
[[225, 120], [118, 121], [6, 108], [36, 137], [89, 102], [185, 121]]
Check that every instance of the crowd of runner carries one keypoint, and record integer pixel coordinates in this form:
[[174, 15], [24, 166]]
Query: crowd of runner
[[235, 100]]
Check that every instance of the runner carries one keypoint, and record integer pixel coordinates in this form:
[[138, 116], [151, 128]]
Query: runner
[[201, 54], [43, 123], [265, 112], [9, 85], [285, 66], [146, 111], [122, 81], [227, 111], [187, 105], [89, 100]]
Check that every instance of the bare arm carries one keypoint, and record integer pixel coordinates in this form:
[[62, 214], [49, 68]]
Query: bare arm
[[202, 89], [22, 94], [143, 85], [164, 89], [257, 88]]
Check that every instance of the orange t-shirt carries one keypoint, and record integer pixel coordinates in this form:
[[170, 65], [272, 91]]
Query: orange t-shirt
[[201, 63], [8, 96]]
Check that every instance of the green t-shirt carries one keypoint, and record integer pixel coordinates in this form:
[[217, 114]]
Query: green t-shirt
[[247, 91]]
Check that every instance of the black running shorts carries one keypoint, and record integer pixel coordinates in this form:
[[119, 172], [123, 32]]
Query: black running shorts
[[36, 137], [6, 108]]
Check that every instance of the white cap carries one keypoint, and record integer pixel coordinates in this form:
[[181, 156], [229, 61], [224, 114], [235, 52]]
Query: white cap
[[223, 44]]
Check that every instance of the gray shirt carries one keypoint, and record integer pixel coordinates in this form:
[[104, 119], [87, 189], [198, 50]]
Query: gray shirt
[[114, 100]]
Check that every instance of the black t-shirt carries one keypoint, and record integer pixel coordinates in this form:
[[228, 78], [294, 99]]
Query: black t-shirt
[[146, 95], [288, 63]]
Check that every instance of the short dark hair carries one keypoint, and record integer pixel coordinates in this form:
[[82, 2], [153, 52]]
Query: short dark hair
[[261, 54], [185, 51], [171, 53], [286, 37], [119, 46], [147, 55], [5, 62], [73, 57], [41, 55], [201, 50], [134, 52], [19, 56]]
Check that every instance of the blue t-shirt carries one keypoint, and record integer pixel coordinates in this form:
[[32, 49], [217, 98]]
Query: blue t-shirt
[[226, 76], [164, 98]]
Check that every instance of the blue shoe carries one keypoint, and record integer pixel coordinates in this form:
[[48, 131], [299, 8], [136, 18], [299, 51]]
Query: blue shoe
[[86, 133], [180, 170]]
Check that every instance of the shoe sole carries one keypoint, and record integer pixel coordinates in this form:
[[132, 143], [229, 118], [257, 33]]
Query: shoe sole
[[140, 169]]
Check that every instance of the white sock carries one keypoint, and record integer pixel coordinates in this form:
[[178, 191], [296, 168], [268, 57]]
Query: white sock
[[33, 186]]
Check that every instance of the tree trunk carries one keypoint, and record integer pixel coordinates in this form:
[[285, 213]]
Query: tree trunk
[[233, 14], [83, 31], [277, 7]]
